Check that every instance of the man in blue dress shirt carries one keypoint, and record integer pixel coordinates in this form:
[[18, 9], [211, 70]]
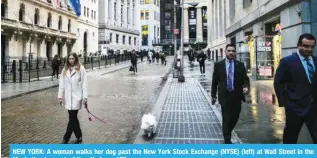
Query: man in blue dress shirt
[[231, 82], [296, 89]]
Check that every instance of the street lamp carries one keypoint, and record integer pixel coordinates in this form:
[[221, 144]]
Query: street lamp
[[181, 77]]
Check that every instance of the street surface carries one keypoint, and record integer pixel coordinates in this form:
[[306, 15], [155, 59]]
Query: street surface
[[120, 98], [261, 119]]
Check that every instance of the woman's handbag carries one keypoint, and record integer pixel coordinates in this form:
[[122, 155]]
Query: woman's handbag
[[131, 68]]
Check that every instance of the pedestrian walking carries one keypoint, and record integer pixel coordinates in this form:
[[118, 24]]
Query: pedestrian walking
[[73, 92], [231, 82], [163, 58], [157, 57], [134, 59], [56, 63], [150, 54], [209, 53], [295, 85], [201, 58]]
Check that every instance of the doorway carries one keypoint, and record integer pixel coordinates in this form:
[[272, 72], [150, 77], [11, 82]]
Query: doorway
[[49, 51]]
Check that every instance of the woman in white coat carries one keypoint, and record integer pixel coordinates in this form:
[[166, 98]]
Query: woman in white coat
[[73, 93]]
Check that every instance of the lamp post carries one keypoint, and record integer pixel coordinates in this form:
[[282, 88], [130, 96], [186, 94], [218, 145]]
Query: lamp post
[[181, 77]]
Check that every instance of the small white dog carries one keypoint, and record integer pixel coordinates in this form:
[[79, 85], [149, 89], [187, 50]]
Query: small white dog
[[148, 124]]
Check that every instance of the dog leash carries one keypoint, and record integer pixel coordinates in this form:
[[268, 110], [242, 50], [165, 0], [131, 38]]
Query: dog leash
[[90, 114]]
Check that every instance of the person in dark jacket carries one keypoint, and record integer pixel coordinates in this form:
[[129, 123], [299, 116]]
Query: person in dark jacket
[[56, 62], [134, 59], [231, 82], [201, 58], [295, 85]]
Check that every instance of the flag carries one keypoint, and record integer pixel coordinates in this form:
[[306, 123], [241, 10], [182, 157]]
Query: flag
[[56, 3], [75, 4]]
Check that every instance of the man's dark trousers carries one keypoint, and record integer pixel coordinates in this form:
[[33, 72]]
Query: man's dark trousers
[[202, 67], [294, 125], [230, 114]]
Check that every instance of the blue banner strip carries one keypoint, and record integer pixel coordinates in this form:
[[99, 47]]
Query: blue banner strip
[[160, 150]]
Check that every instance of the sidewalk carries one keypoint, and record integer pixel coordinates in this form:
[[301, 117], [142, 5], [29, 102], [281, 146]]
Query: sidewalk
[[185, 115], [12, 90]]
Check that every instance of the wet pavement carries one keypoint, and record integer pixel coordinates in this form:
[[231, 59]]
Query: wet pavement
[[120, 98], [185, 115], [261, 120]]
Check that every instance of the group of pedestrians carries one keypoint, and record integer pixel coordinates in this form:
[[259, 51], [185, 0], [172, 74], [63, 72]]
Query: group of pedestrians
[[295, 84], [201, 58]]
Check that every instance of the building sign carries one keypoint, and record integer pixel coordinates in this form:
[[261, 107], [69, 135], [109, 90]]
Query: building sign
[[176, 31], [204, 16], [192, 20], [265, 71], [264, 46]]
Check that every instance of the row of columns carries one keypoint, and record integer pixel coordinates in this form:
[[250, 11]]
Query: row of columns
[[199, 24], [217, 18]]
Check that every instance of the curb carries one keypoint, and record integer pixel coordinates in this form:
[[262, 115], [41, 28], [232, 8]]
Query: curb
[[29, 92], [217, 112]]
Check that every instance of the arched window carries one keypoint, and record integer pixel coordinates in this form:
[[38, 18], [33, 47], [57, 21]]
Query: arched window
[[49, 20], [4, 7], [60, 23], [69, 25], [21, 12], [37, 16]]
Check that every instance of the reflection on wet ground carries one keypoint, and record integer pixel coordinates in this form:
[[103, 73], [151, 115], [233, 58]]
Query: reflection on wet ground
[[261, 119]]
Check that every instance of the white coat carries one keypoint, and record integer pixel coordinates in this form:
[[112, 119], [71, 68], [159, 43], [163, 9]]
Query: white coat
[[150, 54], [73, 88]]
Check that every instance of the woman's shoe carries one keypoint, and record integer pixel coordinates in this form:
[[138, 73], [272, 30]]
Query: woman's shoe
[[79, 140]]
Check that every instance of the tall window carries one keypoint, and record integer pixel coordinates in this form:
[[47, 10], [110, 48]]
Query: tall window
[[84, 11], [4, 7], [49, 20], [115, 11], [117, 38], [130, 40], [88, 12], [123, 39], [21, 12], [121, 13], [145, 33], [142, 14], [147, 16], [135, 41], [92, 14], [110, 38], [146, 1], [60, 23], [141, 1], [95, 15], [69, 25], [37, 16]]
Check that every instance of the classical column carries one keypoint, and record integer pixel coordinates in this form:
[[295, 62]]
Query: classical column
[[214, 20], [130, 14], [125, 10], [111, 15], [186, 24], [218, 18], [199, 27], [209, 22], [119, 13], [223, 18]]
